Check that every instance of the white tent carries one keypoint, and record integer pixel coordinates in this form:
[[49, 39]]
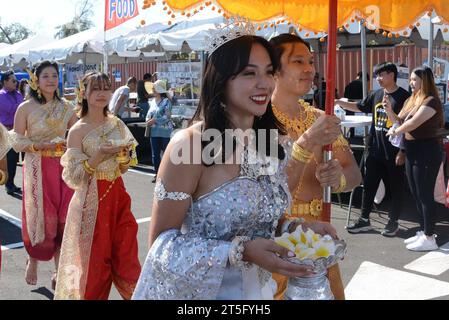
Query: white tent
[[192, 31], [14, 53], [4, 45], [89, 41]]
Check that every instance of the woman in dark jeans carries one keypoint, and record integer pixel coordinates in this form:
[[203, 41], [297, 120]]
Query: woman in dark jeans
[[421, 121], [159, 118]]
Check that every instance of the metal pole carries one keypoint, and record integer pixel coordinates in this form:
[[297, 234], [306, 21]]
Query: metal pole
[[364, 69], [430, 45], [191, 79], [330, 94], [105, 55]]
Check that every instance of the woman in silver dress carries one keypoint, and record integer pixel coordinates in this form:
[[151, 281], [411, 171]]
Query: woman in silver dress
[[217, 205]]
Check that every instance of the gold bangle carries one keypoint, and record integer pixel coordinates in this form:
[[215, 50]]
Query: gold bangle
[[125, 164], [88, 168], [300, 154], [342, 185], [3, 178], [33, 149]]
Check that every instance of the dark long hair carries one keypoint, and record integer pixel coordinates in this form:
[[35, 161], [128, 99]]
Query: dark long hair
[[102, 81], [22, 85], [225, 63], [37, 70]]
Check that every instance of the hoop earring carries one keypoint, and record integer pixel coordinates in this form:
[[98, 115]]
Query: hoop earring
[[39, 93]]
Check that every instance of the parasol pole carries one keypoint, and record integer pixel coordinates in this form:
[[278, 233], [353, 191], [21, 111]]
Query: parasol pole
[[330, 94]]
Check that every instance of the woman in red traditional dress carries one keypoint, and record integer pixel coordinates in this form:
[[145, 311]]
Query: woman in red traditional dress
[[100, 245]]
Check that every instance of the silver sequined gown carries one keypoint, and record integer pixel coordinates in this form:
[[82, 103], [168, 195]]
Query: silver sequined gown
[[192, 263]]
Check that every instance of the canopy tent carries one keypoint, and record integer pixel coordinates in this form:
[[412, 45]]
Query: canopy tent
[[4, 45], [163, 37], [14, 53], [89, 41], [326, 16]]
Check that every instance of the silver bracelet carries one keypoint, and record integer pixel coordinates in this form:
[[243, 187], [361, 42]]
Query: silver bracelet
[[286, 224], [236, 252]]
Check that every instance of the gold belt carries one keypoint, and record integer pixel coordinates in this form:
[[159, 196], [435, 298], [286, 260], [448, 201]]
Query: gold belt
[[51, 153], [110, 175], [313, 208]]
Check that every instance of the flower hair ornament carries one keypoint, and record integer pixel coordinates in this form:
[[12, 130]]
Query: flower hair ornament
[[80, 91], [32, 82], [234, 28]]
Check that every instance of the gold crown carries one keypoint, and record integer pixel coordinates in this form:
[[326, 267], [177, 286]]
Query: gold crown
[[234, 28]]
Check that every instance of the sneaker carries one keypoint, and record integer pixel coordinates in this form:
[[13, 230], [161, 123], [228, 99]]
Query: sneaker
[[13, 189], [361, 225], [390, 229], [414, 238], [423, 244]]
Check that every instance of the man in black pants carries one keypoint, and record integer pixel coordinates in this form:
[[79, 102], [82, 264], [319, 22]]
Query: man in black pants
[[383, 158]]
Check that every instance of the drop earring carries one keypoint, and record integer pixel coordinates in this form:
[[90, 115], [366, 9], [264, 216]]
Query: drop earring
[[39, 93]]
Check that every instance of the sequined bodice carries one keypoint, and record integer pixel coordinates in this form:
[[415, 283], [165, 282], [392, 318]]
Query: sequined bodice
[[194, 263], [242, 206]]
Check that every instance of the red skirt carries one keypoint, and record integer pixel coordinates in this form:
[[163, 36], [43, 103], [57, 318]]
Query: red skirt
[[56, 199], [114, 251]]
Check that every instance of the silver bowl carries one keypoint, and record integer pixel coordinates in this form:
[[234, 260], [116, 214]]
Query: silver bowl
[[322, 264], [314, 287]]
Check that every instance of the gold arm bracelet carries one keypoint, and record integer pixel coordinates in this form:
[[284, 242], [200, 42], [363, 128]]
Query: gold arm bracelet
[[342, 185], [3, 177], [300, 154], [33, 149], [88, 168]]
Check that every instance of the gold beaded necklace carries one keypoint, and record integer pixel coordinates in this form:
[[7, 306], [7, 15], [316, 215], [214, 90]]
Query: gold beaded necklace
[[296, 125]]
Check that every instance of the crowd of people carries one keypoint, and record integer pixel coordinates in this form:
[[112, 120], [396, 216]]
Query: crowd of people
[[225, 209]]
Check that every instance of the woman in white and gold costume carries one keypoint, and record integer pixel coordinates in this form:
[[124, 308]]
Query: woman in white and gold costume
[[4, 148], [100, 244], [293, 80], [213, 220], [40, 128]]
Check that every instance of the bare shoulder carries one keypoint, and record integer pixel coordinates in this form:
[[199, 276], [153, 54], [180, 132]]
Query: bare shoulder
[[79, 130], [187, 134], [181, 166], [27, 106]]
